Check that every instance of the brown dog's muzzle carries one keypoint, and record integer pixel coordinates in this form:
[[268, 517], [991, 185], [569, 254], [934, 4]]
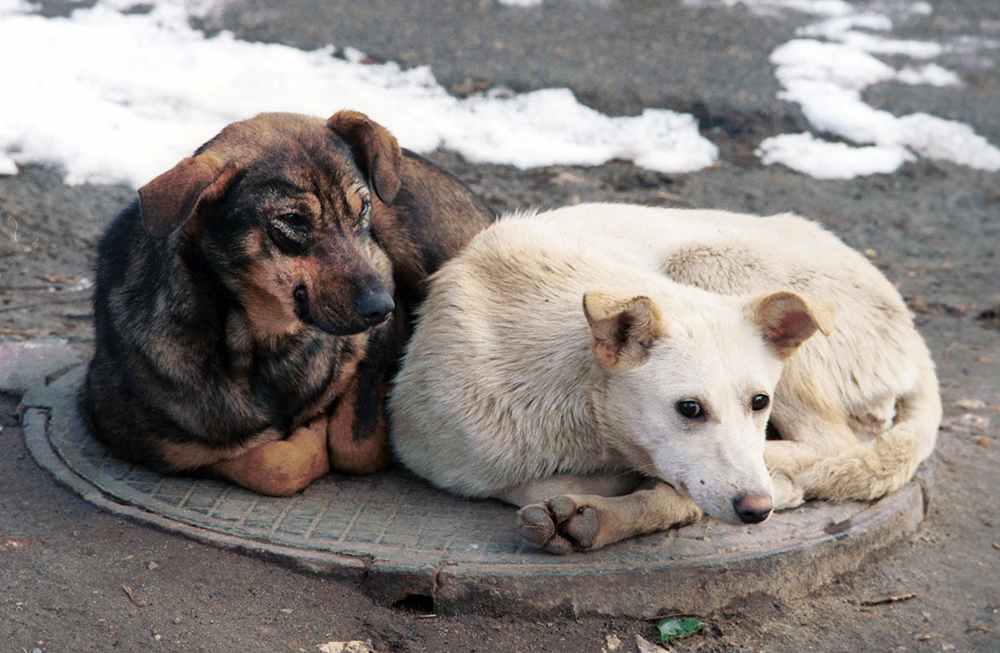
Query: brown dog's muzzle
[[368, 306], [343, 301]]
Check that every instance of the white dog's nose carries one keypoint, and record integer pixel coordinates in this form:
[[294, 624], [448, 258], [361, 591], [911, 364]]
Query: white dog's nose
[[753, 508]]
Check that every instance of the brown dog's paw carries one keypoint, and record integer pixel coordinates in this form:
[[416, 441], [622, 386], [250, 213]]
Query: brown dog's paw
[[559, 526]]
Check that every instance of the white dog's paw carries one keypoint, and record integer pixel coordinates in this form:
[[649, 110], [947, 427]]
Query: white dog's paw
[[560, 525], [787, 493]]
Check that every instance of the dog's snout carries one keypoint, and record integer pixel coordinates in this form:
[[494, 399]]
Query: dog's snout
[[753, 508], [373, 306]]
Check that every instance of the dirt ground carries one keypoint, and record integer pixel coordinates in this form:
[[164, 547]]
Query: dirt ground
[[75, 579]]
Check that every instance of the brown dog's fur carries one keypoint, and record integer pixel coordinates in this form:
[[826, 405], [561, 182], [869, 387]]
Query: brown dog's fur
[[250, 307]]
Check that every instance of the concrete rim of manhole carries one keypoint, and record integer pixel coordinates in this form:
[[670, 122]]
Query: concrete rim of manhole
[[398, 537]]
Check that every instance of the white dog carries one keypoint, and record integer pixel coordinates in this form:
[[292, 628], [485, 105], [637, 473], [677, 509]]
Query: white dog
[[612, 369]]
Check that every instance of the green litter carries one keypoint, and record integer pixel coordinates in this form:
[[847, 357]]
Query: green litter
[[677, 627]]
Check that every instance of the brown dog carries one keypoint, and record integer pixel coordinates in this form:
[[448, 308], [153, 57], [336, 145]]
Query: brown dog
[[251, 306]]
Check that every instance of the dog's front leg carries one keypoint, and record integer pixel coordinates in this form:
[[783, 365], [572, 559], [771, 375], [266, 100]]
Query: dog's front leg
[[357, 433], [784, 460], [358, 429], [281, 467], [587, 522], [807, 439]]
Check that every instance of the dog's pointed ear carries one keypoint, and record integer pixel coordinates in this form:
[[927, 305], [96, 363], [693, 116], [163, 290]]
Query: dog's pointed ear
[[170, 199], [375, 150], [787, 320], [623, 327]]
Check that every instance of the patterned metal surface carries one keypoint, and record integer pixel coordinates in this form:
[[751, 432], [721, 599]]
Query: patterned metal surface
[[368, 516], [392, 513], [389, 518], [397, 536]]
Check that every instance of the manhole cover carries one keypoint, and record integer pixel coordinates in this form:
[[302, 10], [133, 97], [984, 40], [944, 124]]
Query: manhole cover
[[398, 536]]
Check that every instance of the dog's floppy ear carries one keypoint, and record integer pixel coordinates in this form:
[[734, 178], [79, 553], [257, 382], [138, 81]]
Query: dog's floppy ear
[[375, 150], [787, 320], [623, 327], [174, 196]]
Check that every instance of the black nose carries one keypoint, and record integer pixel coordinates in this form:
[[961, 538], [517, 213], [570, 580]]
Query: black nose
[[753, 508], [373, 306]]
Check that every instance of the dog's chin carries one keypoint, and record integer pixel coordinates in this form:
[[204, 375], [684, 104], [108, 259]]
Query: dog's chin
[[723, 510], [337, 329], [717, 511], [308, 318], [713, 507]]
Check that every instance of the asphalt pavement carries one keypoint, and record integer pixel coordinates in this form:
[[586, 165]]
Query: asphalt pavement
[[75, 578]]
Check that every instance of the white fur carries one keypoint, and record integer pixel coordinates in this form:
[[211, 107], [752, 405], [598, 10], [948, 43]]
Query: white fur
[[504, 384]]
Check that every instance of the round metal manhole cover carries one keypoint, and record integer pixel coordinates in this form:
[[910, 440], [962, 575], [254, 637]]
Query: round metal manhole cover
[[398, 536]]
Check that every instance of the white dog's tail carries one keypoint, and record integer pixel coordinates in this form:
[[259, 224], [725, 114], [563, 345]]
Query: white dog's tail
[[874, 469]]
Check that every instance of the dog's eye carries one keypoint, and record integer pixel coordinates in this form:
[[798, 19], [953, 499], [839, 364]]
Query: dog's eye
[[690, 409], [295, 221], [291, 232], [759, 402]]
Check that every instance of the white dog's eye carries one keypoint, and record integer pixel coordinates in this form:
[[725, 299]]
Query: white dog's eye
[[690, 409], [760, 402]]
